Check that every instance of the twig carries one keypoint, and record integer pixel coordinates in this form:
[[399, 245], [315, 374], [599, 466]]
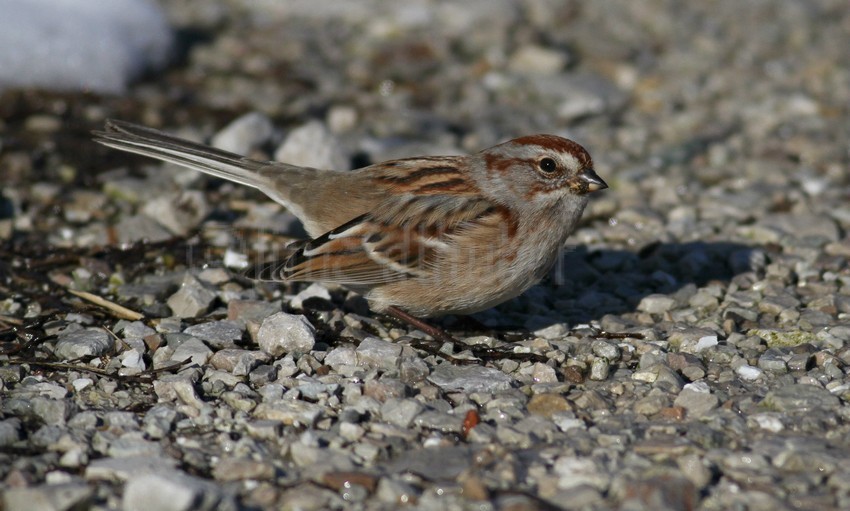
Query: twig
[[143, 376], [9, 320], [118, 310]]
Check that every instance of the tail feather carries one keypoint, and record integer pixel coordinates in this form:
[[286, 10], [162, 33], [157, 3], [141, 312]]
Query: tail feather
[[156, 144]]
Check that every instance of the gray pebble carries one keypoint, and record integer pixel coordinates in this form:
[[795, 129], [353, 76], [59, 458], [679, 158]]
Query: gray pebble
[[697, 399], [180, 213], [656, 304], [469, 378], [194, 350], [312, 145], [800, 398], [244, 133], [174, 491], [283, 333], [48, 497], [9, 431], [90, 342], [218, 334], [289, 412], [192, 299], [122, 469], [401, 412], [373, 352]]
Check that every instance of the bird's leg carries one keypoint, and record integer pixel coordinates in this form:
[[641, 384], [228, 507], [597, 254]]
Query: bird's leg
[[435, 332]]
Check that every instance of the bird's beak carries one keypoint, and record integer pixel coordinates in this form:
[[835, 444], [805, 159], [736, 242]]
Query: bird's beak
[[593, 181]]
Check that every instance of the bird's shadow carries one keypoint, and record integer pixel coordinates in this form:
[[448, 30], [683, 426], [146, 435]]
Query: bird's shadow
[[587, 284]]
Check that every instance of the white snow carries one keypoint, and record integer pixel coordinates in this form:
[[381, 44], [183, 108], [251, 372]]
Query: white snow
[[91, 45]]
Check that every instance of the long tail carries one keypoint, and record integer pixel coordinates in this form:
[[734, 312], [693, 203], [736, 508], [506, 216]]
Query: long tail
[[137, 139]]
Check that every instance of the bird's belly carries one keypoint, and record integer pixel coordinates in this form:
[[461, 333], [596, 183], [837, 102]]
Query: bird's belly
[[459, 295]]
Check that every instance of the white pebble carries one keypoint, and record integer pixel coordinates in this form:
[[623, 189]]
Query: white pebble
[[244, 133], [709, 341], [312, 145], [81, 383], [749, 372], [698, 386], [769, 422]]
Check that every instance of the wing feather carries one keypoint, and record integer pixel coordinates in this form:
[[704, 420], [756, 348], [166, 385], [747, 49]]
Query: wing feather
[[401, 239]]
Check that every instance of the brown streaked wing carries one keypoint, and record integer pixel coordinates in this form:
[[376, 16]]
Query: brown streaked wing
[[402, 239]]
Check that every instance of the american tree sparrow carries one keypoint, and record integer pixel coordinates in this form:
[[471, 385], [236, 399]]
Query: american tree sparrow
[[419, 236]]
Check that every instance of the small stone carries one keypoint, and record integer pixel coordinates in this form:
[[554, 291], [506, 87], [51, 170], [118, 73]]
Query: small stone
[[264, 429], [769, 421], [192, 299], [696, 401], [546, 405], [49, 411], [218, 334], [122, 469], [384, 388], [120, 421], [193, 349], [170, 491], [803, 225], [475, 378], [48, 497], [283, 333], [543, 373], [665, 491], [606, 350], [180, 213], [289, 412], [342, 356], [773, 362], [314, 291], [131, 229], [537, 59], [244, 133], [132, 359], [573, 472], [9, 431], [238, 361], [783, 339], [800, 398], [342, 118], [241, 469], [173, 387], [748, 372], [128, 446], [45, 389], [599, 369], [801, 362], [374, 352], [263, 374], [252, 313], [312, 145], [89, 342], [552, 331], [159, 421], [439, 421], [401, 412], [706, 342], [656, 304]]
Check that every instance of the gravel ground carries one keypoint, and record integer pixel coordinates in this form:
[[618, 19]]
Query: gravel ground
[[692, 350]]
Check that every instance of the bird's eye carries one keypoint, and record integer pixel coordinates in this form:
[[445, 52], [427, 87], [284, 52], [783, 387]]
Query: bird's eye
[[548, 165]]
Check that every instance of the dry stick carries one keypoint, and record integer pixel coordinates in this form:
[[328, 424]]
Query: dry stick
[[435, 332], [9, 320], [100, 372], [118, 310]]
